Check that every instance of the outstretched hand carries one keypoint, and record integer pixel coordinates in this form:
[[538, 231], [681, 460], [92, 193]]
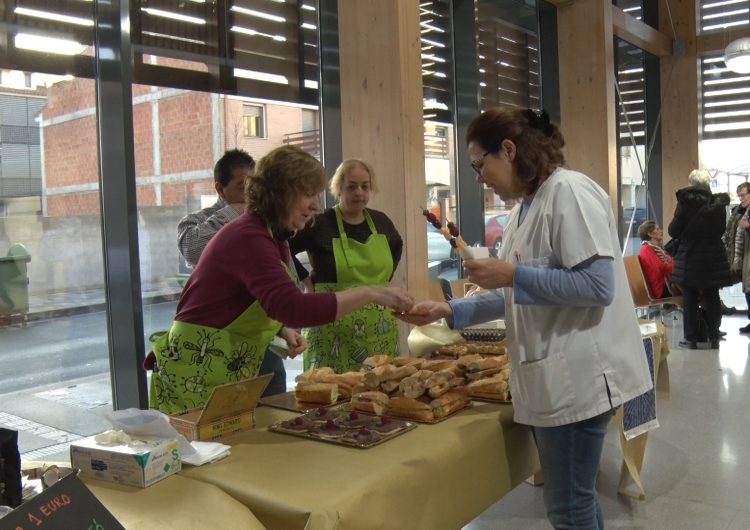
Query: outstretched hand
[[395, 298], [425, 313], [489, 273], [294, 340]]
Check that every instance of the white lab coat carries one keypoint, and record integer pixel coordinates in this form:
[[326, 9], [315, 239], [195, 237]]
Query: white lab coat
[[570, 363]]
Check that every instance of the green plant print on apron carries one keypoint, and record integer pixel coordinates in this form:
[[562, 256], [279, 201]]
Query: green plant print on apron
[[191, 359], [372, 330]]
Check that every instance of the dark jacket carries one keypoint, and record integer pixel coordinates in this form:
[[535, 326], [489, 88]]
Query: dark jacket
[[699, 222]]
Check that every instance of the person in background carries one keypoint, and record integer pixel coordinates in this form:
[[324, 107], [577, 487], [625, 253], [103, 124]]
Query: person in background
[[737, 245], [196, 229], [700, 263], [229, 312], [348, 245], [655, 262], [559, 282]]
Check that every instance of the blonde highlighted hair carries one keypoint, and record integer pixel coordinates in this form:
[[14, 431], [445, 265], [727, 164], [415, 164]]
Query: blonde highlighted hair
[[337, 181]]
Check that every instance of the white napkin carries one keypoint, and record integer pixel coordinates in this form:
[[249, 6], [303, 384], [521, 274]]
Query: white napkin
[[206, 452], [475, 252], [423, 340]]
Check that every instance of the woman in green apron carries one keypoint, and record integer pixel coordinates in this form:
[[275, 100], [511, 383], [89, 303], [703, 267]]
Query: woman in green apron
[[243, 291], [351, 245]]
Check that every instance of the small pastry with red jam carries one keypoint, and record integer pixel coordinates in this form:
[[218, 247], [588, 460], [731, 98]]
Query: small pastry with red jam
[[355, 420], [331, 429], [363, 436], [320, 415], [386, 425], [300, 423]]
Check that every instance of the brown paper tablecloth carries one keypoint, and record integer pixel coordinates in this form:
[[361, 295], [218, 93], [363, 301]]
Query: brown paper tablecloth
[[436, 476], [174, 503]]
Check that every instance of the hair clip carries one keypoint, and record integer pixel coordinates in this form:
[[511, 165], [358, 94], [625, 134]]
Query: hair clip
[[538, 121]]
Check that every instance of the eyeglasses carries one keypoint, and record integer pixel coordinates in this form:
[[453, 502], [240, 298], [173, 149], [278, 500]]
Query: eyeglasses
[[478, 164], [740, 195]]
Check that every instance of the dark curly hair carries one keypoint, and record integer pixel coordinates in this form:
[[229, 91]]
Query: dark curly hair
[[280, 178], [538, 142]]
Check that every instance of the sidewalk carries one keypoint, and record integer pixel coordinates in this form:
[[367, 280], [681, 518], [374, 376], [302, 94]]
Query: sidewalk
[[50, 305]]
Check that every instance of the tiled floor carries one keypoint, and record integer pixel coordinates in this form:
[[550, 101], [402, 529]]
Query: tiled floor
[[697, 468]]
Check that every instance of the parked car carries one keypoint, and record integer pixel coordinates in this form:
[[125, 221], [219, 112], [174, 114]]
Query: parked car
[[494, 230], [640, 217], [438, 248]]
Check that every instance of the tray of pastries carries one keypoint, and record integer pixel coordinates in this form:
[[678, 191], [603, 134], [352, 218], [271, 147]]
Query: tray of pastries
[[316, 387], [422, 409], [350, 428], [460, 349]]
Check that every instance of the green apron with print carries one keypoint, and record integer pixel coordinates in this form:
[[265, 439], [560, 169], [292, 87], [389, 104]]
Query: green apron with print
[[192, 359], [372, 330]]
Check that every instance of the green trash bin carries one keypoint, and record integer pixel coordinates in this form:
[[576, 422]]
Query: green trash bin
[[14, 281]]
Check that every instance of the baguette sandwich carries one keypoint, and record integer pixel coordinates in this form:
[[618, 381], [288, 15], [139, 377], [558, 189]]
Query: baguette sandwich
[[372, 402]]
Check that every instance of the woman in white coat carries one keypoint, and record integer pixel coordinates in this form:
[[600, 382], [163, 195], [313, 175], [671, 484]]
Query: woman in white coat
[[560, 284]]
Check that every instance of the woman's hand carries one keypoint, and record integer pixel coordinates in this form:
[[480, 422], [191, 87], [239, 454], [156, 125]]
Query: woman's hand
[[426, 312], [744, 224], [489, 273], [294, 341], [393, 297]]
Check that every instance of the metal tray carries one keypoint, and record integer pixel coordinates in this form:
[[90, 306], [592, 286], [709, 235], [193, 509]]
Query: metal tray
[[287, 401], [407, 426]]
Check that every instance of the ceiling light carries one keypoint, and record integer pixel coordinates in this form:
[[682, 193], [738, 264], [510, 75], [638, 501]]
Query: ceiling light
[[737, 56]]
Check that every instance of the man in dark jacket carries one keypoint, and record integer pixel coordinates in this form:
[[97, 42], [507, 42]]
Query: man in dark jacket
[[700, 264]]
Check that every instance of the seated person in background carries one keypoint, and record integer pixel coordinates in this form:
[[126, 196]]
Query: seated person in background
[[655, 261], [351, 244], [244, 289], [196, 229]]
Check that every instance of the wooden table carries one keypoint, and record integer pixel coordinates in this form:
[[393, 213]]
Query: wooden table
[[436, 476]]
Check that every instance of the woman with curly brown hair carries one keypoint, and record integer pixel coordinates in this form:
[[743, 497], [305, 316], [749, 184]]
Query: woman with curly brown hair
[[243, 290], [573, 339]]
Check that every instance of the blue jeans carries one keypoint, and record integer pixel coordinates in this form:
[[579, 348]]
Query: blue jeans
[[273, 364], [570, 456]]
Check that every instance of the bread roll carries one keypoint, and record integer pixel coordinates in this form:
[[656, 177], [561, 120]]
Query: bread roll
[[324, 393], [412, 409], [377, 375], [372, 402], [490, 388], [375, 360], [398, 373], [414, 385], [448, 403]]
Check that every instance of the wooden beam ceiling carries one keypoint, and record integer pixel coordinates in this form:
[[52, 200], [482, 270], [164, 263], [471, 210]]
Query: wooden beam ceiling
[[640, 34]]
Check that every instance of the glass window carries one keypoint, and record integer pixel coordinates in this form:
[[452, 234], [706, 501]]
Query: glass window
[[631, 105], [54, 373], [252, 121]]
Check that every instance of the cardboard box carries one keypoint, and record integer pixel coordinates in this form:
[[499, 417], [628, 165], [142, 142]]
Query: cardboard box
[[230, 409], [143, 462]]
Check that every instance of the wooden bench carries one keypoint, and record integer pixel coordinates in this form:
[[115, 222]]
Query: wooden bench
[[642, 296]]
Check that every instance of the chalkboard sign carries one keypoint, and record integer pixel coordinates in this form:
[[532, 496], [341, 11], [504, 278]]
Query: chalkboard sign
[[67, 504]]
